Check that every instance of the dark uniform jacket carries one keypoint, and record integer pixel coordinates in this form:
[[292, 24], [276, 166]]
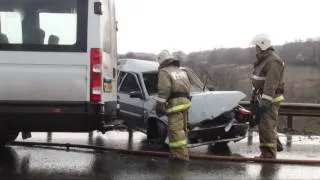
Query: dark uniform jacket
[[174, 88], [267, 77]]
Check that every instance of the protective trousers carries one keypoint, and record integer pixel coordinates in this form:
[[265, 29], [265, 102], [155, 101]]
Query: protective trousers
[[268, 131], [177, 132]]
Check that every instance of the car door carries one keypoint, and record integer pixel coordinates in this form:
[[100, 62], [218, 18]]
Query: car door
[[131, 100]]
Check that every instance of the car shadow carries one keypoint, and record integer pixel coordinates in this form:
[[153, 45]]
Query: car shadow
[[152, 145], [221, 149]]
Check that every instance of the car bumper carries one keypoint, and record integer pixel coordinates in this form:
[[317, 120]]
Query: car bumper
[[217, 134], [55, 116]]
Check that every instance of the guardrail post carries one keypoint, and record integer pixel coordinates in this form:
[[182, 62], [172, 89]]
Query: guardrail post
[[250, 137], [49, 137], [90, 138], [290, 123], [289, 140], [130, 139]]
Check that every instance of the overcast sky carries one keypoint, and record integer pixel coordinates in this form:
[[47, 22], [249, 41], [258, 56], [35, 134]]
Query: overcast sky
[[192, 25]]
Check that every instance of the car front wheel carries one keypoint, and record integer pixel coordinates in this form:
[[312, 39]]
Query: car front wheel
[[161, 132], [221, 148]]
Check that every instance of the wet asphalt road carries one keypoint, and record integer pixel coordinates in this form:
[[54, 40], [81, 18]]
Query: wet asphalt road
[[18, 162]]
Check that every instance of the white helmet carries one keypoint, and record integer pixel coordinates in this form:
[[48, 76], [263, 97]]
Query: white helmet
[[262, 40], [164, 55]]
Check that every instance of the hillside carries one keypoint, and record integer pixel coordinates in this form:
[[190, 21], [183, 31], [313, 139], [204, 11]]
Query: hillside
[[229, 69]]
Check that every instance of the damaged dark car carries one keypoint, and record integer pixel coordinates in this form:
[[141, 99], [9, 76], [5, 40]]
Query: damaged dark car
[[214, 118]]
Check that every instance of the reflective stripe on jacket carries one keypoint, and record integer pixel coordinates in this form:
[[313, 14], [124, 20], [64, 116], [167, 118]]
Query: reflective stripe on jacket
[[269, 145], [178, 144], [179, 107], [278, 98]]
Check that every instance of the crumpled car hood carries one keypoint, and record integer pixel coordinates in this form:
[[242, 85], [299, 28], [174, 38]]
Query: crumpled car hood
[[211, 104]]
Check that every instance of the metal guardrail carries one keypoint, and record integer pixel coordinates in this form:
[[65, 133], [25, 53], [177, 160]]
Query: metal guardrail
[[294, 109]]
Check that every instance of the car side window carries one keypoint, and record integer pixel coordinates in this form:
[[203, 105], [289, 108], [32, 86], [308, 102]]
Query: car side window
[[151, 82], [129, 84]]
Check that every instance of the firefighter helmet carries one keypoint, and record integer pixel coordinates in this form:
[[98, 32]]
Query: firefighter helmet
[[164, 55], [262, 40]]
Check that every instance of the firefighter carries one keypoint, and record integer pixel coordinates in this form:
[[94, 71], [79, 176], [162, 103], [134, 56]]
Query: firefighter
[[173, 101], [268, 89]]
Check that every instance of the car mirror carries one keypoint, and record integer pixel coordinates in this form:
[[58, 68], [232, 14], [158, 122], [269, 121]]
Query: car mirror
[[136, 94]]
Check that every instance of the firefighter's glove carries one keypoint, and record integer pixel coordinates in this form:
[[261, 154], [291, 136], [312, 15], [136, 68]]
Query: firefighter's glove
[[252, 100], [253, 122], [255, 118], [160, 109], [259, 107], [263, 106]]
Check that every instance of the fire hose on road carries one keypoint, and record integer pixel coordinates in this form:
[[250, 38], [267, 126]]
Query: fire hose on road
[[287, 109], [195, 156]]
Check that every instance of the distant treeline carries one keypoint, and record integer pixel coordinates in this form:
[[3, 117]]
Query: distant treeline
[[294, 53], [230, 69]]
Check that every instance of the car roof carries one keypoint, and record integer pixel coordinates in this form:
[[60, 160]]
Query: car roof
[[137, 65]]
